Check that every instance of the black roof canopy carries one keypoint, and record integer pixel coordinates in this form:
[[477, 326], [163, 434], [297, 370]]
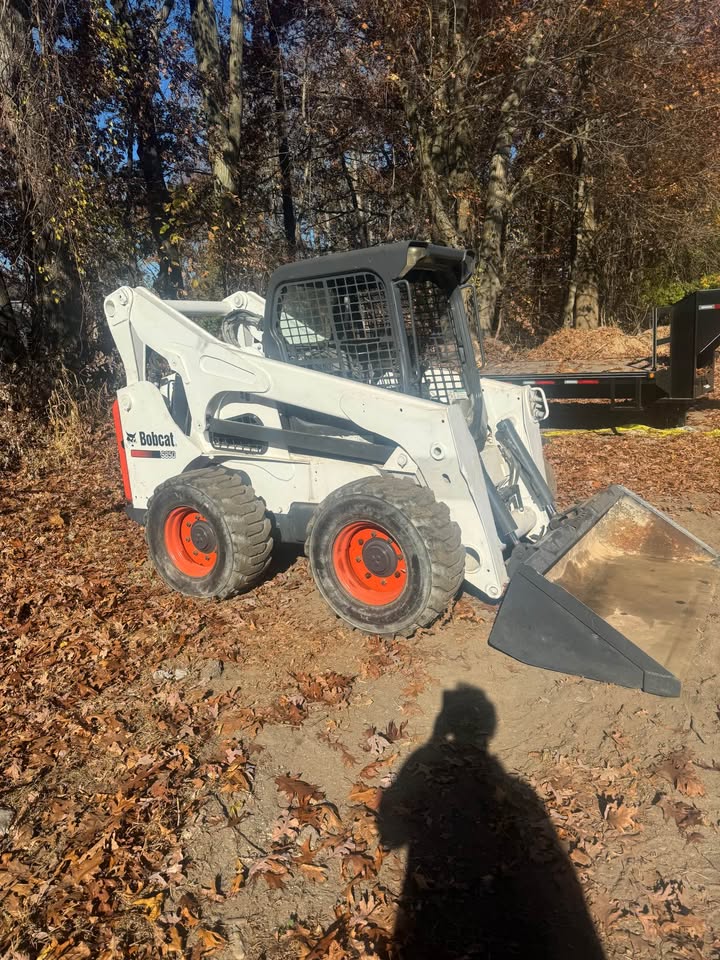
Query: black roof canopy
[[392, 261]]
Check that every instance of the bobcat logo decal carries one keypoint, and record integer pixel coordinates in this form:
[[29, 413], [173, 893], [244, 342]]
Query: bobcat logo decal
[[130, 437]]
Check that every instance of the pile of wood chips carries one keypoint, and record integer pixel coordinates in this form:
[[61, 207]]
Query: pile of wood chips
[[568, 345], [605, 343]]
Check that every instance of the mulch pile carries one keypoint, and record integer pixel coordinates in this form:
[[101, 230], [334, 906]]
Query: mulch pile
[[604, 344]]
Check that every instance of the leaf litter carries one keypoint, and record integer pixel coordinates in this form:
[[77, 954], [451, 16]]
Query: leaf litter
[[105, 767]]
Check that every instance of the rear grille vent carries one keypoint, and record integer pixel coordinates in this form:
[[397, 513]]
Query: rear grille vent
[[222, 441]]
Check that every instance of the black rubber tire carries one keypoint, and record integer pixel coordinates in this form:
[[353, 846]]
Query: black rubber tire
[[421, 527], [238, 519]]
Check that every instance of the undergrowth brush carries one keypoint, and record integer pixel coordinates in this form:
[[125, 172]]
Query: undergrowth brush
[[47, 416]]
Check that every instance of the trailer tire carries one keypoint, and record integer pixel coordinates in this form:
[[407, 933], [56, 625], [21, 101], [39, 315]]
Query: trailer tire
[[385, 555], [208, 534]]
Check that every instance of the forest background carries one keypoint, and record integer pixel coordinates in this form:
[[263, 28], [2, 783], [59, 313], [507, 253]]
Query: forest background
[[193, 145]]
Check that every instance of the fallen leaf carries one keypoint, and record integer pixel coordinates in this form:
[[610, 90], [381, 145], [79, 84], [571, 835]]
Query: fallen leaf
[[649, 921], [307, 854], [152, 905], [679, 769], [273, 869], [173, 941], [605, 910], [314, 872], [620, 817], [328, 687], [335, 744], [395, 732], [299, 790], [358, 866], [323, 816], [210, 940], [368, 796], [239, 879], [684, 814], [374, 769]]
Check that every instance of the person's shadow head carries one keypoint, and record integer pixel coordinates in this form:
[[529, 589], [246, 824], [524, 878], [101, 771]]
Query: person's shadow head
[[486, 876], [467, 718]]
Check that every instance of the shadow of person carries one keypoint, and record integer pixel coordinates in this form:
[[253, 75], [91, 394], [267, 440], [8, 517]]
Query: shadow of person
[[486, 876]]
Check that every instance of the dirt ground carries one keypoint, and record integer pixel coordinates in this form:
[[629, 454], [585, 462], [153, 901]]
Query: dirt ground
[[252, 779]]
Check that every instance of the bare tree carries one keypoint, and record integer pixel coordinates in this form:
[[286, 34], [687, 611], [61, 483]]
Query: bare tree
[[222, 87], [498, 196], [142, 87]]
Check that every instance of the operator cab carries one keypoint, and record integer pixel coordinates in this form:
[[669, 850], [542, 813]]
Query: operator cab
[[392, 316]]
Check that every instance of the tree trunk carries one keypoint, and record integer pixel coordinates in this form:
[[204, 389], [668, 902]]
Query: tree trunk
[[349, 166], [144, 73], [498, 199], [436, 201], [582, 301], [223, 109], [47, 250], [157, 200], [235, 79], [587, 297], [10, 343], [434, 92], [283, 138]]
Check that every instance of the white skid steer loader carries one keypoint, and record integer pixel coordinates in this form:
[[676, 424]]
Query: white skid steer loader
[[345, 412]]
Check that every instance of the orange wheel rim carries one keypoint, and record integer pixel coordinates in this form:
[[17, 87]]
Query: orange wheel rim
[[190, 541], [369, 564]]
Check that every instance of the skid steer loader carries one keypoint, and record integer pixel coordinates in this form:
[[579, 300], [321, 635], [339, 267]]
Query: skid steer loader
[[345, 412]]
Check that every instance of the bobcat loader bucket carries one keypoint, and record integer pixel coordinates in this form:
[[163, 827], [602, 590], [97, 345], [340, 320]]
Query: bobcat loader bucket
[[614, 592]]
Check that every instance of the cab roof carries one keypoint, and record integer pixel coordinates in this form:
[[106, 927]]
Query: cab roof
[[393, 261]]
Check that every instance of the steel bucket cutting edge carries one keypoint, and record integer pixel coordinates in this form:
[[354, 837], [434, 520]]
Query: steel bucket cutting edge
[[615, 592]]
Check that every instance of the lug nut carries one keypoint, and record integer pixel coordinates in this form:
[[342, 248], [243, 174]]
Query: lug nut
[[383, 582], [361, 541], [358, 559], [367, 576]]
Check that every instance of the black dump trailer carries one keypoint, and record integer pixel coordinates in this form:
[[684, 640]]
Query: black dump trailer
[[674, 377]]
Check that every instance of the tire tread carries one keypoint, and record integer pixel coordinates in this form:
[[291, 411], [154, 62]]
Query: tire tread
[[244, 513], [442, 537]]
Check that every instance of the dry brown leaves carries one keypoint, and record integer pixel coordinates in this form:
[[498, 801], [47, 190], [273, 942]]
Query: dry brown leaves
[[308, 841], [685, 816], [329, 687], [376, 742], [362, 929], [668, 914], [680, 771], [583, 801], [622, 817], [103, 765], [661, 468]]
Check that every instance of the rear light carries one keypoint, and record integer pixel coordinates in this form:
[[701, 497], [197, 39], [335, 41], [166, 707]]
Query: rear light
[[121, 451]]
